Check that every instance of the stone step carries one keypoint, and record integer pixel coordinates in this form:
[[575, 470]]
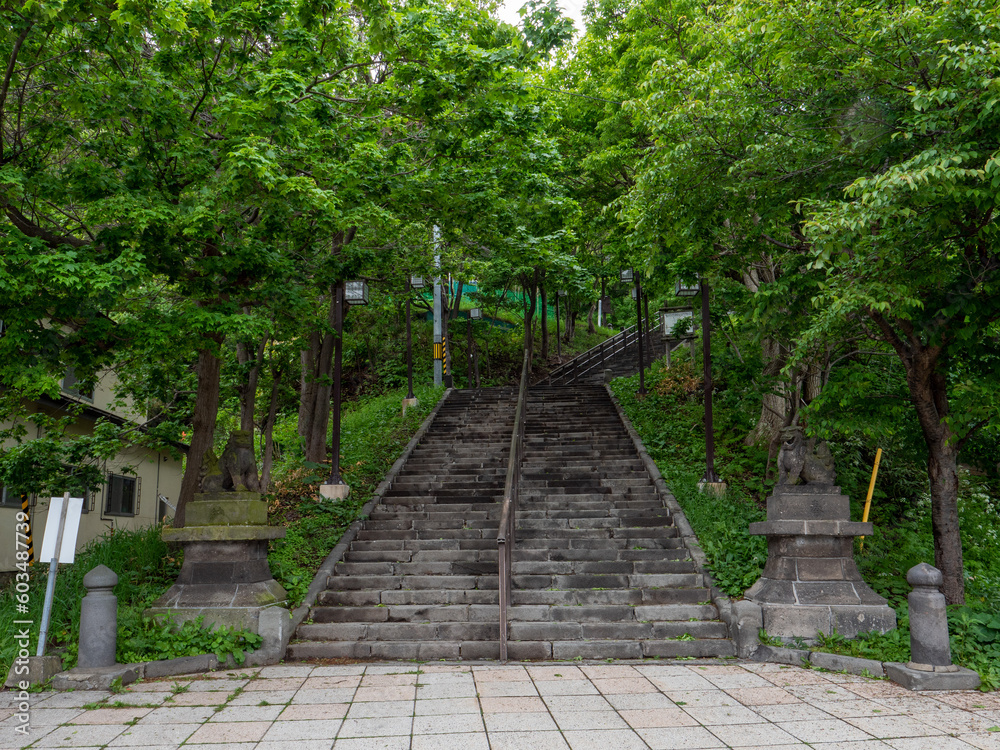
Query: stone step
[[603, 567], [681, 599], [411, 582], [599, 631], [607, 581], [638, 561], [426, 534], [609, 511], [400, 631], [516, 650], [376, 597], [595, 534], [425, 544], [409, 613], [591, 541], [425, 568]]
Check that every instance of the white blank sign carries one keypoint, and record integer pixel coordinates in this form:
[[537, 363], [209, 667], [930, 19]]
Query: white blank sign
[[68, 548]]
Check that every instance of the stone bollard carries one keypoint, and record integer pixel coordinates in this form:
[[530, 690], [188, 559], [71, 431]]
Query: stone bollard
[[98, 619], [930, 666], [929, 647]]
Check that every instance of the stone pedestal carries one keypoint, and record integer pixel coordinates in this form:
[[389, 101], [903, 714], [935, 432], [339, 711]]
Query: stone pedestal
[[225, 577], [811, 583]]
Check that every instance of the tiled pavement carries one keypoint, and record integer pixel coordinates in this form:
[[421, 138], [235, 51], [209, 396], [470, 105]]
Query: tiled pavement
[[606, 706]]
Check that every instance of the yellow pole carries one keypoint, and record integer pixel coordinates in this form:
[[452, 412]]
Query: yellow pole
[[871, 489]]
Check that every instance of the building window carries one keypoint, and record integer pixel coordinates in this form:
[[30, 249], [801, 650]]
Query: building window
[[76, 488], [122, 495], [76, 387], [9, 499]]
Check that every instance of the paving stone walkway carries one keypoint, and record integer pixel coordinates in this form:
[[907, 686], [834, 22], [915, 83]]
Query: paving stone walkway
[[606, 706]]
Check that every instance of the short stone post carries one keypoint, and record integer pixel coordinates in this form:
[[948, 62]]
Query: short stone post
[[929, 644], [98, 619], [930, 666]]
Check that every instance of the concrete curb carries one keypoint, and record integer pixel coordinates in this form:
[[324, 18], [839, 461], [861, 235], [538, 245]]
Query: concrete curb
[[337, 553], [721, 601], [820, 659], [103, 678]]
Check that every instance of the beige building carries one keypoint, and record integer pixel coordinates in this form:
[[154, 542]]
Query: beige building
[[140, 486]]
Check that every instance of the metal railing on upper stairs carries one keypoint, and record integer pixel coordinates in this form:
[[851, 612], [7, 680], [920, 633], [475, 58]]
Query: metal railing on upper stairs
[[595, 359], [508, 513]]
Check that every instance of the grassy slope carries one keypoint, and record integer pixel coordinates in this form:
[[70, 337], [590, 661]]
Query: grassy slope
[[669, 422]]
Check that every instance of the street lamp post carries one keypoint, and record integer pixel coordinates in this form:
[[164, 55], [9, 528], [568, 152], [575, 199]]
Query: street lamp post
[[711, 479], [629, 275], [649, 339], [414, 282], [355, 293]]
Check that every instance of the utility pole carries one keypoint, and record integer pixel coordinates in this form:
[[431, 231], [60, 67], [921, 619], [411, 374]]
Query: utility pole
[[438, 349]]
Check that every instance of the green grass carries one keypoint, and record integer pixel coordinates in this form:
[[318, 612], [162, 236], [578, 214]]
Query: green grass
[[145, 568]]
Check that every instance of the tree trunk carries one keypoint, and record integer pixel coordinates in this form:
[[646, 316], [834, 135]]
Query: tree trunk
[[206, 410], [531, 284], [942, 469], [307, 385], [813, 383], [267, 460], [544, 320], [456, 305], [591, 328], [319, 420], [928, 392], [318, 411], [605, 303], [247, 388], [928, 386], [775, 403]]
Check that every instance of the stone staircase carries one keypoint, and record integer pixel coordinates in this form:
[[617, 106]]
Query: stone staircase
[[599, 569], [420, 579]]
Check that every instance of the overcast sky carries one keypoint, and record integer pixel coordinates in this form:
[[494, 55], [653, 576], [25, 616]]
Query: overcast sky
[[572, 8]]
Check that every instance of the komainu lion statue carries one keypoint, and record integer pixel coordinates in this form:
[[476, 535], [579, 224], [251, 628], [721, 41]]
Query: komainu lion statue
[[804, 461], [236, 471]]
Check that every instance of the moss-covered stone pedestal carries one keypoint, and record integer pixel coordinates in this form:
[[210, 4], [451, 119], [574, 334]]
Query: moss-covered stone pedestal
[[225, 577], [811, 583]]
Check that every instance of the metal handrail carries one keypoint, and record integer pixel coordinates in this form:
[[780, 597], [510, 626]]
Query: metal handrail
[[596, 352], [508, 513], [586, 362]]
